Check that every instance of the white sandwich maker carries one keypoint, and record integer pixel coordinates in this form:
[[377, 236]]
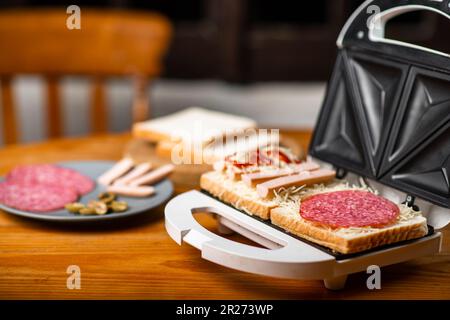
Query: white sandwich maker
[[385, 119]]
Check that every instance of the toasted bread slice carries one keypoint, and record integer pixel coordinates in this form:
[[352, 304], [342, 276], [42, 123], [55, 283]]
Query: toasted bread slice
[[410, 225], [285, 214], [236, 193]]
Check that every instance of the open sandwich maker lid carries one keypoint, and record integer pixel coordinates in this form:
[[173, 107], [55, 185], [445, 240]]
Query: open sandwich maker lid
[[386, 114]]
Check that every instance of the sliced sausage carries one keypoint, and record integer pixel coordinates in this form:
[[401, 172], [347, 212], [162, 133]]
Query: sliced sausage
[[349, 208], [304, 178], [130, 191], [135, 173], [119, 169], [35, 198], [252, 179], [153, 176], [50, 175]]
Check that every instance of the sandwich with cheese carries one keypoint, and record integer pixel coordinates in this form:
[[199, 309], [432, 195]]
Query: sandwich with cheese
[[307, 200]]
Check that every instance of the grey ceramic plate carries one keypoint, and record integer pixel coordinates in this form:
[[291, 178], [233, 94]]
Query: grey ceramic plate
[[94, 169]]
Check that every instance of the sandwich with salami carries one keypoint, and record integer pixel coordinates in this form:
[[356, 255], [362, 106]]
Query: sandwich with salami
[[308, 201]]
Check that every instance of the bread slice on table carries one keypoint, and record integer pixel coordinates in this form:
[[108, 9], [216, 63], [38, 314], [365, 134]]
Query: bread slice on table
[[236, 193], [196, 125], [409, 225]]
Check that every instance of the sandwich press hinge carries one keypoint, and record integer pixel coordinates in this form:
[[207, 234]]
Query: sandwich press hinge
[[409, 201]]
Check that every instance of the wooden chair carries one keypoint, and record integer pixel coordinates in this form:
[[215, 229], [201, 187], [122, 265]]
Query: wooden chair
[[109, 43]]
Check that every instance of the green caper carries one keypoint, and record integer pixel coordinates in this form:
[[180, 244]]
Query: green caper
[[74, 207], [101, 208], [119, 206], [98, 206], [105, 204], [106, 197], [87, 211]]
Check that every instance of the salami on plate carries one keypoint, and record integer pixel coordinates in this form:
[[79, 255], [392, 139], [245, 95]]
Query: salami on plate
[[50, 175], [43, 187], [349, 208], [36, 198]]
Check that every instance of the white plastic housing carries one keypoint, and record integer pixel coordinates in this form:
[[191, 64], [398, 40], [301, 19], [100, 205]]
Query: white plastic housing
[[283, 256]]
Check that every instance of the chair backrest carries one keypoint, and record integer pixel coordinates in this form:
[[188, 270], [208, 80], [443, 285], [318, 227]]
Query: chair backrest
[[109, 43]]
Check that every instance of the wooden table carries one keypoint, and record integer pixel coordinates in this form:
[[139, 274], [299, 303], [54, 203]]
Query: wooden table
[[136, 259]]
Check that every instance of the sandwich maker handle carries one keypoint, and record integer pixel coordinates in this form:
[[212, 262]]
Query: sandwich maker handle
[[288, 257], [367, 23]]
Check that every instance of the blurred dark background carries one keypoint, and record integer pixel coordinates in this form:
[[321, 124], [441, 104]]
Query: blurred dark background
[[268, 60], [259, 40]]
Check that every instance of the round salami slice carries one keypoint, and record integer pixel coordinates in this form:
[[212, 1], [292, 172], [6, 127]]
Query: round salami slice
[[38, 198], [349, 208], [46, 174]]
